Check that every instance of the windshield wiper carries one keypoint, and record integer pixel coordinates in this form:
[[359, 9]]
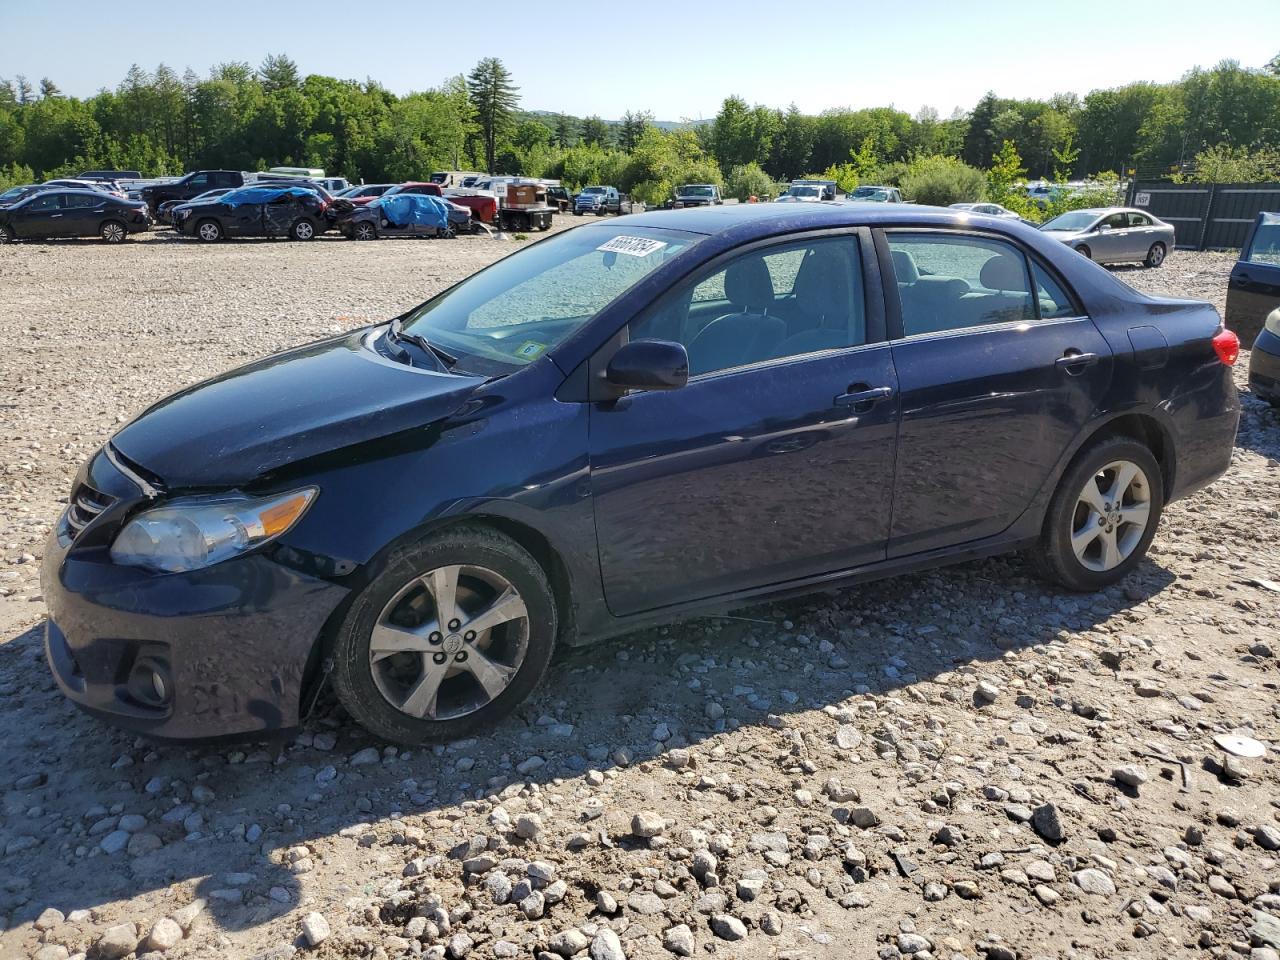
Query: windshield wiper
[[445, 359]]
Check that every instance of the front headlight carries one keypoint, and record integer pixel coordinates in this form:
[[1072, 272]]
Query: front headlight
[[197, 532], [1273, 323]]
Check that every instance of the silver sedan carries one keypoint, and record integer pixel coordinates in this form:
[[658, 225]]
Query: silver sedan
[[1113, 235]]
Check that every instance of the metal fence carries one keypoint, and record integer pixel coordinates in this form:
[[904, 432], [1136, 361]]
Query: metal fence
[[1206, 216]]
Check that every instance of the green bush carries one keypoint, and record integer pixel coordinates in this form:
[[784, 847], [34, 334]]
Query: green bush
[[750, 180], [1227, 164], [940, 180]]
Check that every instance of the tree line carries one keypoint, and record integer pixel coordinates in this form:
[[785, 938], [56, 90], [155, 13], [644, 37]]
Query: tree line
[[243, 117]]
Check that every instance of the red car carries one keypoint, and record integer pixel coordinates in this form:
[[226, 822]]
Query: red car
[[362, 194], [483, 208]]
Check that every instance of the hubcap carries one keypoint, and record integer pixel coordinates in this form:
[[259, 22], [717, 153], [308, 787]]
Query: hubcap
[[1111, 516], [1157, 255], [303, 231], [449, 642], [208, 232], [114, 231], [365, 232]]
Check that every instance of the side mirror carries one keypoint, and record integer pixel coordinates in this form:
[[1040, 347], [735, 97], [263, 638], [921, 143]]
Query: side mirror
[[649, 365], [1104, 228]]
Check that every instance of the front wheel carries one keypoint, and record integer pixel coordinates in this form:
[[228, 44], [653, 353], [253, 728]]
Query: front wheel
[[6, 234], [1084, 251], [1155, 256], [364, 230], [210, 231], [302, 230], [452, 636], [1102, 517]]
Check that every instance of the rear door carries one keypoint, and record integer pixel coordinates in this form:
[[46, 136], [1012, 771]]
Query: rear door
[[81, 214], [1254, 288], [995, 382], [775, 461]]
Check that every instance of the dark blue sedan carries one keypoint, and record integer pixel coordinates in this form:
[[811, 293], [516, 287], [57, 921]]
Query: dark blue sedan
[[623, 424]]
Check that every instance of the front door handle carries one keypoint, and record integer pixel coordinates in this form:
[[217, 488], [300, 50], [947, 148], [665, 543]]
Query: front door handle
[[1074, 362], [56, 216], [862, 397]]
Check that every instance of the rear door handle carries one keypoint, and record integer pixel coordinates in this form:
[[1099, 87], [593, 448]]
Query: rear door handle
[[1074, 362], [860, 395]]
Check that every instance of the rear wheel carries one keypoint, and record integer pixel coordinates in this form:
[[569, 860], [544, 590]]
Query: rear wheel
[[113, 231], [453, 635], [210, 231], [364, 231], [1155, 256], [302, 230], [6, 234], [1084, 251], [1102, 517]]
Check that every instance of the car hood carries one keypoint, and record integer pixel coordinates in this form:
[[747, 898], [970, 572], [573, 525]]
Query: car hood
[[230, 430]]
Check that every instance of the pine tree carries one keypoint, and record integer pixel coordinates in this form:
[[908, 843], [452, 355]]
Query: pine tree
[[494, 97], [278, 72], [25, 94], [566, 130], [49, 89]]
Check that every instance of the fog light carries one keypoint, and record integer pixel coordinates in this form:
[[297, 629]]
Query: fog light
[[149, 682]]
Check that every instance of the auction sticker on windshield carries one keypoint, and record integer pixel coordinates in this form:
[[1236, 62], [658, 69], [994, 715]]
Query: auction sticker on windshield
[[632, 246]]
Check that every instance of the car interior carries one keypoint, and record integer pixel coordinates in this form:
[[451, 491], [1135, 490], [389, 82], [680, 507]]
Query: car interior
[[948, 285]]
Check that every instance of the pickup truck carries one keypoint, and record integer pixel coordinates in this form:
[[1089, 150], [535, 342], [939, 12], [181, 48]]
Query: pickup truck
[[597, 200], [192, 185], [697, 195], [874, 194]]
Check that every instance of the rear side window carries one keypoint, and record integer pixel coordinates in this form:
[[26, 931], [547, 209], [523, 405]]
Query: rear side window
[[1053, 300], [74, 200], [955, 282]]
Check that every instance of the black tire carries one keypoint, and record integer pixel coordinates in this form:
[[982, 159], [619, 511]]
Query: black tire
[[364, 230], [113, 231], [577, 213], [1084, 251], [353, 678], [1053, 557], [303, 229], [6, 234], [1155, 256], [208, 231]]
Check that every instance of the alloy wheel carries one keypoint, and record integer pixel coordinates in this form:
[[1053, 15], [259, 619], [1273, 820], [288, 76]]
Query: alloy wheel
[[449, 642], [303, 230], [365, 231], [112, 232], [209, 232], [1111, 516], [1156, 255]]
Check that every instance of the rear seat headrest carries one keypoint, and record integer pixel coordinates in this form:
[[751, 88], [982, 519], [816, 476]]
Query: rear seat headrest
[[1003, 272], [904, 266]]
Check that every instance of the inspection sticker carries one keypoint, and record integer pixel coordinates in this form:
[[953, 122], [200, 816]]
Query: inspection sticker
[[632, 246], [530, 349]]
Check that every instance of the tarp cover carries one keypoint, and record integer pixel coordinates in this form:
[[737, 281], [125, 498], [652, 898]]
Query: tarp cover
[[402, 209], [263, 195]]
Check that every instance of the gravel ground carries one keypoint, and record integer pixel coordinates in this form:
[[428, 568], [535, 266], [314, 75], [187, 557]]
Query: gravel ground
[[959, 763]]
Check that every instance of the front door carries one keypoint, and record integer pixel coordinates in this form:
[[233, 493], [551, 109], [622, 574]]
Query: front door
[[1111, 243], [41, 217], [995, 383], [775, 461]]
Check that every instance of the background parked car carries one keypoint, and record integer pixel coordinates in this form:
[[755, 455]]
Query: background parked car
[[1264, 361], [14, 194], [991, 210], [1253, 290], [597, 200], [697, 195], [363, 193], [1113, 235], [192, 185], [101, 186], [72, 213], [405, 215], [560, 198], [259, 211], [116, 175], [164, 213]]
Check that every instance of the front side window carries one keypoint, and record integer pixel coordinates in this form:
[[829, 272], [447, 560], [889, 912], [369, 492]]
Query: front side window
[[530, 301], [199, 180], [1117, 221], [768, 304], [954, 282], [50, 201]]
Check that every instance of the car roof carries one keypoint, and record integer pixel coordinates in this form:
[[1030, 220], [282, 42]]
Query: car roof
[[769, 218]]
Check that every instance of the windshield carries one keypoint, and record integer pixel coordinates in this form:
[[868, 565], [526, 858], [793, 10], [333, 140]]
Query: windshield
[[1074, 221], [696, 191], [804, 191], [13, 192], [870, 192], [530, 301], [593, 190]]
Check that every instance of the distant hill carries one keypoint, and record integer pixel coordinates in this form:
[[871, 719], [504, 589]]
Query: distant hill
[[549, 117]]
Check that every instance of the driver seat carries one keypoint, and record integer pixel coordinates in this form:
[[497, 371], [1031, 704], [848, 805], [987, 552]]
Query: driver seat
[[749, 334]]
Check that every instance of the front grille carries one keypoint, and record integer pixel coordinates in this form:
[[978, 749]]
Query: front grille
[[86, 504]]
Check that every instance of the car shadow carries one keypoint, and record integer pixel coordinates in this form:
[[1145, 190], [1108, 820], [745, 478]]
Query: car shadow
[[225, 818]]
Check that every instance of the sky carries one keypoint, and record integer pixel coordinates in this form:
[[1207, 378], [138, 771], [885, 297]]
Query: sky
[[676, 60]]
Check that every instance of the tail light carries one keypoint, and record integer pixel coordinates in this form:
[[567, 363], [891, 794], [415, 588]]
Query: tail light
[[1227, 346]]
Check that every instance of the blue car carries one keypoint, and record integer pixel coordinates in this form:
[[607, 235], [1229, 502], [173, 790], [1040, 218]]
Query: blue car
[[620, 425]]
